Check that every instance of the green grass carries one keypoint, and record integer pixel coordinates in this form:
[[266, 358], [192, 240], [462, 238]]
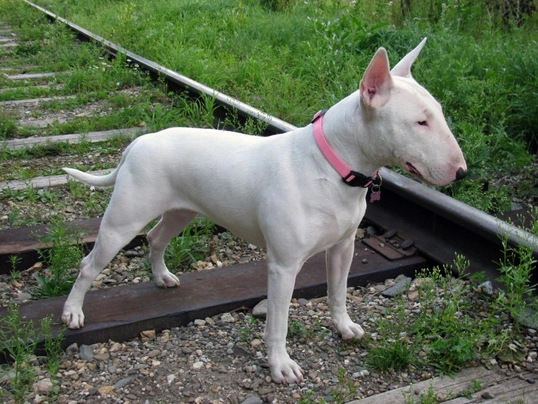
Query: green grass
[[19, 339], [61, 258], [191, 245], [451, 331], [291, 58]]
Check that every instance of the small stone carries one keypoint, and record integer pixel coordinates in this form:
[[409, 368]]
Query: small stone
[[133, 253], [486, 288], [260, 310], [36, 267], [72, 349], [406, 244], [253, 400], [528, 317], [255, 343], [198, 365], [199, 323], [43, 386], [302, 302], [105, 390], [371, 231], [115, 347], [148, 334], [122, 383], [101, 357], [487, 395], [170, 379], [22, 297], [39, 399], [413, 295], [400, 277], [85, 352], [398, 288], [154, 353], [227, 318]]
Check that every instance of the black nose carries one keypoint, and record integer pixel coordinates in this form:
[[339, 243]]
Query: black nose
[[460, 174]]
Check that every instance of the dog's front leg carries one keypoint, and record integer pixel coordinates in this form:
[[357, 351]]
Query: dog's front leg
[[280, 290], [339, 259]]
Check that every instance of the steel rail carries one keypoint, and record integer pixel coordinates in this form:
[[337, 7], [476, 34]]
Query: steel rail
[[439, 225]]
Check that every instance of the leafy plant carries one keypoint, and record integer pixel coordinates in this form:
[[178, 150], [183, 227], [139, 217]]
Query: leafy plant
[[429, 397], [60, 259], [395, 355], [191, 245], [516, 266], [19, 339], [445, 330], [245, 333], [345, 388], [52, 345], [298, 331], [15, 274]]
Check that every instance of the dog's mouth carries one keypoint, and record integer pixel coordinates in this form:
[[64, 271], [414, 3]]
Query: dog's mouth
[[412, 169]]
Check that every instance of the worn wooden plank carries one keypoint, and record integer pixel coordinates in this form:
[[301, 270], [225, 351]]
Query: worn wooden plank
[[92, 137], [22, 88], [37, 100], [25, 242], [120, 313], [32, 76], [468, 386]]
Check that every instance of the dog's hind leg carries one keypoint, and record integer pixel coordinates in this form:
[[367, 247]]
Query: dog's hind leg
[[171, 224], [109, 241], [118, 226], [339, 259]]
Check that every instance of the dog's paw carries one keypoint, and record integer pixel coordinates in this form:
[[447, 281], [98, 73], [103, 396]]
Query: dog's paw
[[74, 319], [167, 280], [352, 330], [286, 371], [348, 329]]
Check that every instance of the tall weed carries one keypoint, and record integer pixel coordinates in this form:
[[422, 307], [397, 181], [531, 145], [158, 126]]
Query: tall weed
[[61, 259]]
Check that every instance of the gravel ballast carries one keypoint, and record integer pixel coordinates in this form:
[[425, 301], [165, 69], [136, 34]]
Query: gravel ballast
[[222, 359]]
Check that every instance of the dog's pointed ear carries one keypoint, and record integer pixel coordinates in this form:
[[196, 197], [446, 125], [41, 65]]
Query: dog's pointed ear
[[403, 68], [376, 83]]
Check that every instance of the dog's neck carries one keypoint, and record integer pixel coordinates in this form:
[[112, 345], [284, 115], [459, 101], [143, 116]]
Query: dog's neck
[[349, 137]]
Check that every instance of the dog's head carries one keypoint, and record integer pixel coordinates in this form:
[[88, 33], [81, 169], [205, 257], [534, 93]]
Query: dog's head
[[420, 139]]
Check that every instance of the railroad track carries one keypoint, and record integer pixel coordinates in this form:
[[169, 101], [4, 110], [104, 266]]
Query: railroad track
[[436, 226]]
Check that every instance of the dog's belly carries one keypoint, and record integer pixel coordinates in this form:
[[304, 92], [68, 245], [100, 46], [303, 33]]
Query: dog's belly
[[260, 189]]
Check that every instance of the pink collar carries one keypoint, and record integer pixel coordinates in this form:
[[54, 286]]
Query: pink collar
[[350, 177]]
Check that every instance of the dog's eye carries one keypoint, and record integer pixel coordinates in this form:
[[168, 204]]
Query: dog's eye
[[423, 123]]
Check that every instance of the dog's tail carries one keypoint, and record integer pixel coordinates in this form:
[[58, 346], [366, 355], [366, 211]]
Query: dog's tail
[[107, 180], [93, 180]]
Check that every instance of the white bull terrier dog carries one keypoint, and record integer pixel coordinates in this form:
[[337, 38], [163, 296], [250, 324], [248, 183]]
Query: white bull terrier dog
[[295, 194]]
